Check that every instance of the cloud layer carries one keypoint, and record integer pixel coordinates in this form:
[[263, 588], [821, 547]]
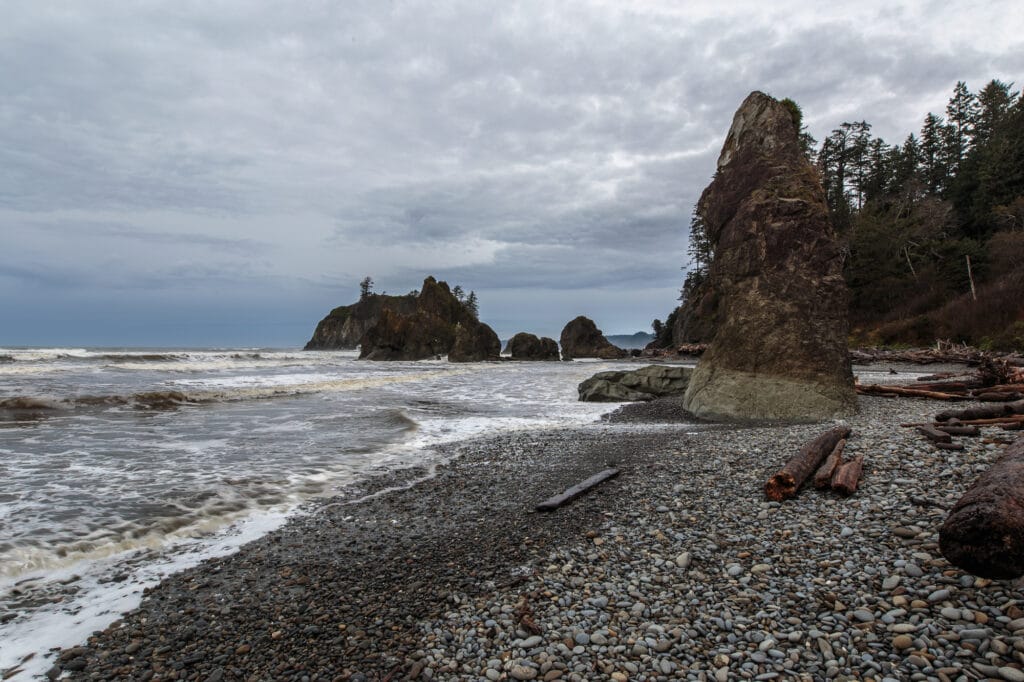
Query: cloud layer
[[244, 161]]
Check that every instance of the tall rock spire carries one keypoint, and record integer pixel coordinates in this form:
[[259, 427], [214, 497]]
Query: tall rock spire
[[779, 350]]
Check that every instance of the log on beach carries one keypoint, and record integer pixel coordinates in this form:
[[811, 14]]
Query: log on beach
[[933, 434], [823, 476], [959, 429], [572, 493], [847, 475], [785, 483], [984, 412], [889, 390], [984, 532], [998, 396]]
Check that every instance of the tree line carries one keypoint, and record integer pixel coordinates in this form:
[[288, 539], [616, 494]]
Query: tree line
[[932, 227], [471, 302]]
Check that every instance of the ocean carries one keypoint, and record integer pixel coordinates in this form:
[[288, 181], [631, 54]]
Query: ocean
[[121, 466]]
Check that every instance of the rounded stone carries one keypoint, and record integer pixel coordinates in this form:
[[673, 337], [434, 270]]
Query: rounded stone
[[903, 641]]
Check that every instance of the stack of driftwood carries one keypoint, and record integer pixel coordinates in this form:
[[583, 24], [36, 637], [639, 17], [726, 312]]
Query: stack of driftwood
[[995, 381], [822, 457], [942, 352], [984, 532]]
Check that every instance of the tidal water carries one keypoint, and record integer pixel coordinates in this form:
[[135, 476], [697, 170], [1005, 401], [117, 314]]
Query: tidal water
[[119, 466]]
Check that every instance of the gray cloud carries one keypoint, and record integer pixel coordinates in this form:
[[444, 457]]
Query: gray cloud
[[278, 152]]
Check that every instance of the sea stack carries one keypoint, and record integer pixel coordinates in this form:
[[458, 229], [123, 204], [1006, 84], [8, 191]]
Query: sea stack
[[526, 346], [582, 339], [779, 346], [439, 324]]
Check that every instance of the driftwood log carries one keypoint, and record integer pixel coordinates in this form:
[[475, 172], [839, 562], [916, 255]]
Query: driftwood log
[[933, 434], [959, 429], [847, 475], [890, 390], [983, 412], [784, 484], [998, 396], [572, 493], [984, 532], [823, 476]]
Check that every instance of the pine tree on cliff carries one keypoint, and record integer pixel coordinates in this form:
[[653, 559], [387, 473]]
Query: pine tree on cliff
[[472, 305], [364, 288]]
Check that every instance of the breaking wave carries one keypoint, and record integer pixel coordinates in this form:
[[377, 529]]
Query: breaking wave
[[172, 399]]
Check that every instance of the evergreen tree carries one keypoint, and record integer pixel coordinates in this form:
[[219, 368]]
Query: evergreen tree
[[907, 164], [701, 251], [994, 101], [472, 305], [364, 288], [933, 168], [458, 293], [961, 118]]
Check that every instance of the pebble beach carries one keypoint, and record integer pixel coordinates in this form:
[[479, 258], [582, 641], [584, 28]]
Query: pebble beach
[[678, 568]]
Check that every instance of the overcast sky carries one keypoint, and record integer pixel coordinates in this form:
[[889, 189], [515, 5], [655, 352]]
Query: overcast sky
[[220, 172]]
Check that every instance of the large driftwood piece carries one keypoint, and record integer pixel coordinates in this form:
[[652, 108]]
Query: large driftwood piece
[[572, 493], [846, 477], [823, 476], [890, 390], [934, 434], [995, 421], [983, 412], [998, 396], [959, 429], [787, 481], [984, 532]]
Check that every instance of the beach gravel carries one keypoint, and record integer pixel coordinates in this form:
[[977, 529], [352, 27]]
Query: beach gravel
[[676, 569]]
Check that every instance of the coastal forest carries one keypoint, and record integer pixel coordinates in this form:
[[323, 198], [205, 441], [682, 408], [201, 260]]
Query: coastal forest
[[932, 227]]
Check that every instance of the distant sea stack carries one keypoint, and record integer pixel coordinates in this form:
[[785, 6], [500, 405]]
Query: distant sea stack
[[344, 327], [582, 339], [439, 324], [779, 345], [526, 346]]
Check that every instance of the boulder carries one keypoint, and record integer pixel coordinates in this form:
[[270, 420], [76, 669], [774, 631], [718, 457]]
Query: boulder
[[525, 346], [779, 346], [582, 339], [343, 328], [439, 324], [646, 383], [474, 343]]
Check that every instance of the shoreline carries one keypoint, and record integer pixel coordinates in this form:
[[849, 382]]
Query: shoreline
[[665, 572]]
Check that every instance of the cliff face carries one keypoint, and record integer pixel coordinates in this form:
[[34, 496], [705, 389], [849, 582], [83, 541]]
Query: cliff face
[[345, 326], [779, 345]]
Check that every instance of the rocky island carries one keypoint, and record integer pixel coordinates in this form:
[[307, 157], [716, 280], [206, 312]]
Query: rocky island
[[428, 324]]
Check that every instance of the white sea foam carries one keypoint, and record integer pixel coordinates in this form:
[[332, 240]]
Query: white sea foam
[[98, 599], [134, 485]]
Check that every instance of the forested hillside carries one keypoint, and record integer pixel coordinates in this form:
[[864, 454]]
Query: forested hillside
[[932, 227]]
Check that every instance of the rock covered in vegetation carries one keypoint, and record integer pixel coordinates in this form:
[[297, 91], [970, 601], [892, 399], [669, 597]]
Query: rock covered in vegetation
[[344, 327], [646, 383], [526, 346], [440, 324], [582, 339], [779, 349]]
